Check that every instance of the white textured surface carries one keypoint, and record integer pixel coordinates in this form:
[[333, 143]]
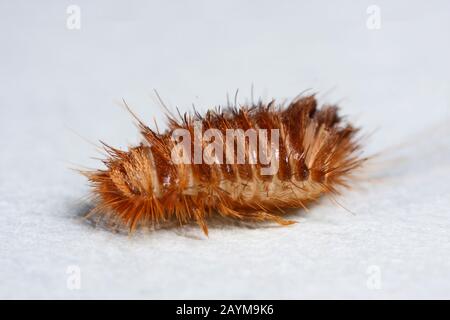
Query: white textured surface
[[55, 81]]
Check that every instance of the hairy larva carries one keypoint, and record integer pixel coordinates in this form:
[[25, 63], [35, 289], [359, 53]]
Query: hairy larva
[[166, 178]]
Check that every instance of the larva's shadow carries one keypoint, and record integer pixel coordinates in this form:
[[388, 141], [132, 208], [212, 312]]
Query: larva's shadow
[[107, 222]]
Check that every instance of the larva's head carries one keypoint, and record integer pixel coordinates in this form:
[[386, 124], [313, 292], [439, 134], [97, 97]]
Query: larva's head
[[125, 184]]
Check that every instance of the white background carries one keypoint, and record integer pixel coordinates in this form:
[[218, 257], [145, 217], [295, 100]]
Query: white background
[[61, 87]]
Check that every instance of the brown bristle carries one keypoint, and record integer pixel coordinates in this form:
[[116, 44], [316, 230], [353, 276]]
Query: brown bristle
[[315, 155]]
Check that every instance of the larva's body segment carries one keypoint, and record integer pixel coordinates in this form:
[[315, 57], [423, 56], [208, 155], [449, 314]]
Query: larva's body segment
[[315, 154]]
